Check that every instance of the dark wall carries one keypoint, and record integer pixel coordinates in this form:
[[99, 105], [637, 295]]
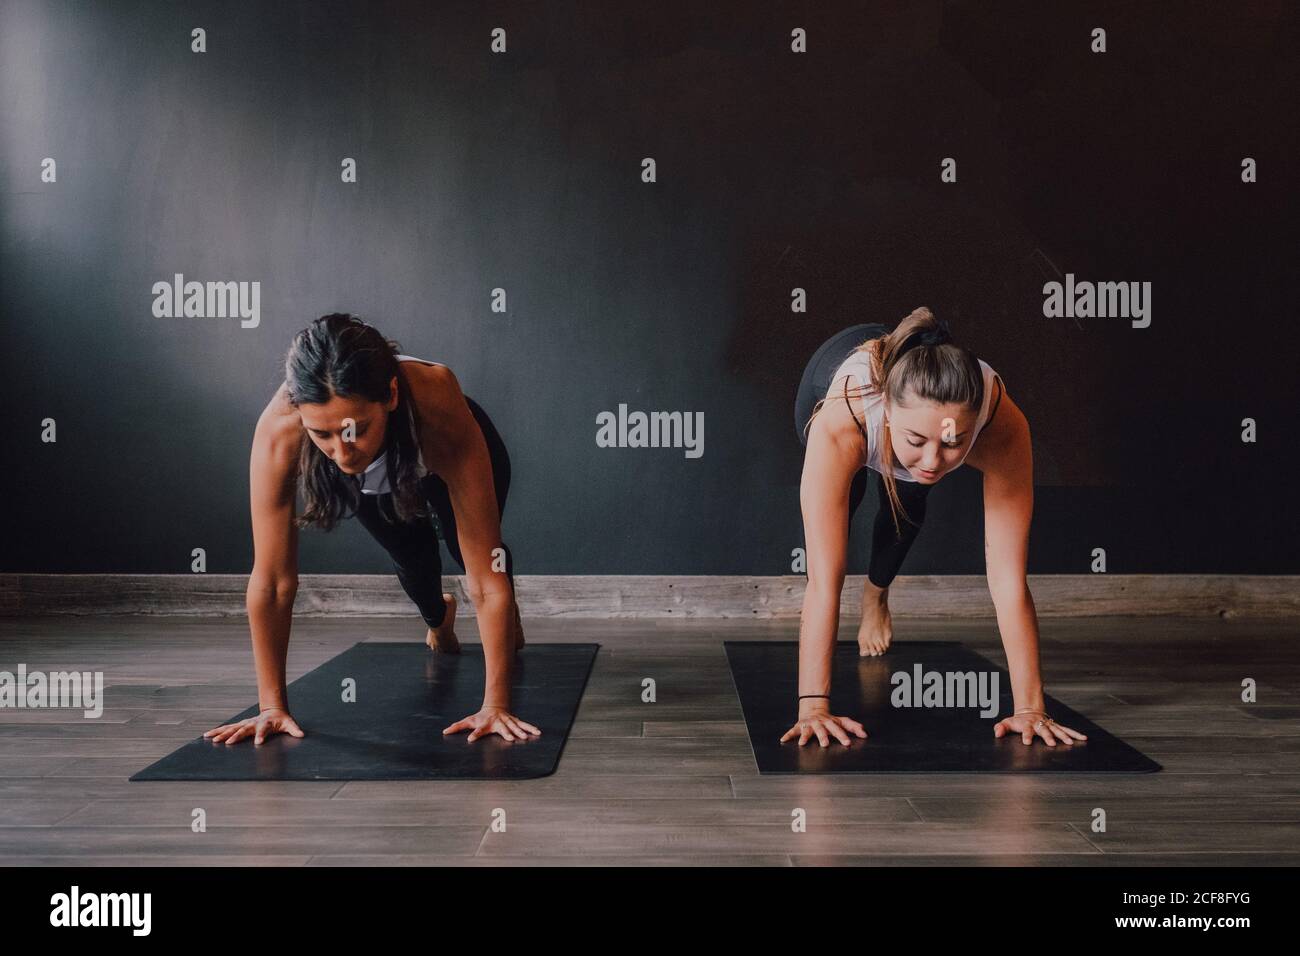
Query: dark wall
[[775, 170]]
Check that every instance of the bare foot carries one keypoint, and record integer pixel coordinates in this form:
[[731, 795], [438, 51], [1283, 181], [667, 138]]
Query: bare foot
[[877, 628], [443, 638], [519, 630]]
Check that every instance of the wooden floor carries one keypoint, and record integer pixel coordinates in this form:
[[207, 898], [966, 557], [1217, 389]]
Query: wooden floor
[[672, 782]]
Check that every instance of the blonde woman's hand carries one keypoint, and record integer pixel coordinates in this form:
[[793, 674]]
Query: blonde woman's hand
[[1037, 723], [817, 720]]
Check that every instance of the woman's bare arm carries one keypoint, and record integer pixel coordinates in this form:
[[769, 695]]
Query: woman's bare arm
[[470, 486], [1008, 509], [1006, 459], [455, 449], [832, 458], [273, 583], [834, 455]]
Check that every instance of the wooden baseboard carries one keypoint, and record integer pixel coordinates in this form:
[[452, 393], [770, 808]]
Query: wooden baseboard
[[661, 596]]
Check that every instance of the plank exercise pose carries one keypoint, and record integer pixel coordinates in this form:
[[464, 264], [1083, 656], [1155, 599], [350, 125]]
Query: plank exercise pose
[[936, 399], [359, 428]]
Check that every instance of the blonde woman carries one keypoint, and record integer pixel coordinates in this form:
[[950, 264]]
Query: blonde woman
[[936, 407]]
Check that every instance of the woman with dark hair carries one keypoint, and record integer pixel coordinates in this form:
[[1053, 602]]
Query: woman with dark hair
[[360, 428], [920, 423]]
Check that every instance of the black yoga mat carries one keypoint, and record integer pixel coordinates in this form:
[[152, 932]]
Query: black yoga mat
[[405, 695], [914, 739]]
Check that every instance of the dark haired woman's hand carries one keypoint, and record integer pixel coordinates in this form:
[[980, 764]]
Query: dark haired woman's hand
[[494, 720], [818, 719], [265, 724], [1037, 722]]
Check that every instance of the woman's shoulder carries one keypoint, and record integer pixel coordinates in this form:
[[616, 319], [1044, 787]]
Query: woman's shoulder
[[424, 370], [425, 373], [434, 388], [858, 361], [279, 413], [839, 421], [279, 433], [1004, 428]]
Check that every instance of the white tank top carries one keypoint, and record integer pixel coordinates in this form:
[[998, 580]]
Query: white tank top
[[374, 480], [858, 365]]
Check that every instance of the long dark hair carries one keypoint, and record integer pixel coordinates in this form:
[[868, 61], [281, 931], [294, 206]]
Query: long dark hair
[[918, 355], [339, 354]]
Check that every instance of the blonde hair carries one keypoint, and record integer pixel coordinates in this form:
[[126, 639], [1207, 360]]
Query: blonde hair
[[918, 356]]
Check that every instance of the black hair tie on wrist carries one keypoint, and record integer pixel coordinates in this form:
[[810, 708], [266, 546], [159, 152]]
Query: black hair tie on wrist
[[802, 696]]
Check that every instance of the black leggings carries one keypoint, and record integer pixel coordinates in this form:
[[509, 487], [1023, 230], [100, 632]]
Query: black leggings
[[414, 546], [888, 548]]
